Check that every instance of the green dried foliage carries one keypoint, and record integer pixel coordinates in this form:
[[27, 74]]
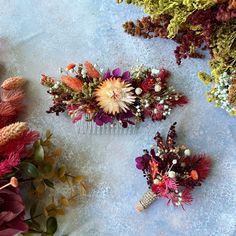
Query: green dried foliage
[[178, 9], [45, 173]]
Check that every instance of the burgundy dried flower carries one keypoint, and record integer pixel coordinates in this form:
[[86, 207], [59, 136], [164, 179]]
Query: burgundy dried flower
[[102, 118], [148, 84], [143, 161], [12, 212]]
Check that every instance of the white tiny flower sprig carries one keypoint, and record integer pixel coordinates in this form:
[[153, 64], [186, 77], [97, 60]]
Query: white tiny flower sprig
[[220, 93]]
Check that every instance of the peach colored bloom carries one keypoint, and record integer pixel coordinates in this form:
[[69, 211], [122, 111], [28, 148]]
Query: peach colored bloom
[[91, 71], [114, 96], [13, 83], [12, 132], [73, 83]]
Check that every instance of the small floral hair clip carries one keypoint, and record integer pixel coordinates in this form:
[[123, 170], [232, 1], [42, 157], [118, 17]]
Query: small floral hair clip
[[171, 171], [84, 91]]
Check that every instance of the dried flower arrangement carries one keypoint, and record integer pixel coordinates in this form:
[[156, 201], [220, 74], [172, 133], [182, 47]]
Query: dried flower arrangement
[[196, 25], [29, 167], [113, 97], [171, 171]]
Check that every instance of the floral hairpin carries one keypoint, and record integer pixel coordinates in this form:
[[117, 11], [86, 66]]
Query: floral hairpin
[[128, 98], [172, 171]]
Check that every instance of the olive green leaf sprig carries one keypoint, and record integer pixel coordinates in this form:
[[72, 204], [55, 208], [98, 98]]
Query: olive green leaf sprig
[[42, 174]]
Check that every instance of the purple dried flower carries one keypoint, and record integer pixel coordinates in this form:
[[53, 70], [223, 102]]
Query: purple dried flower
[[143, 161], [102, 118], [117, 73]]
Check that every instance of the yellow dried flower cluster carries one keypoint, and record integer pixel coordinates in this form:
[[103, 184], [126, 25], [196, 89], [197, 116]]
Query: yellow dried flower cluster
[[223, 68]]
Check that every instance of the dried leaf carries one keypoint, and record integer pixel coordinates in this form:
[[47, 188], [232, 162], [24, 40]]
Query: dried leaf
[[63, 179], [78, 179], [51, 225], [60, 212], [61, 171], [51, 206], [49, 183], [29, 169], [40, 188], [47, 168], [57, 152], [83, 190], [33, 210], [38, 152], [64, 201], [48, 134]]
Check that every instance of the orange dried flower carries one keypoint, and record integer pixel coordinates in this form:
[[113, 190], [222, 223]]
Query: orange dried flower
[[13, 83], [12, 132], [14, 182], [73, 83], [91, 71], [71, 66], [46, 80], [232, 4], [154, 168], [194, 175]]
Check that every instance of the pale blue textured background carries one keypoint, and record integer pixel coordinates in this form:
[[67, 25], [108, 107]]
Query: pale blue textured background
[[40, 36]]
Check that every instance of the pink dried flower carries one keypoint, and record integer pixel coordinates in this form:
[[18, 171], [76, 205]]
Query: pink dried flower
[[9, 162]]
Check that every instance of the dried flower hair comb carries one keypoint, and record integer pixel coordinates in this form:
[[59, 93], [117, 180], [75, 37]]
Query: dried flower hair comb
[[84, 91], [171, 171]]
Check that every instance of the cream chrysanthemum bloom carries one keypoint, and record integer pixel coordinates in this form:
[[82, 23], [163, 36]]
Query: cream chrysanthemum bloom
[[114, 95]]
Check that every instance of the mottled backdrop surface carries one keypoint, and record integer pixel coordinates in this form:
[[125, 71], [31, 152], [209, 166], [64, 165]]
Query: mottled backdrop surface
[[41, 36]]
